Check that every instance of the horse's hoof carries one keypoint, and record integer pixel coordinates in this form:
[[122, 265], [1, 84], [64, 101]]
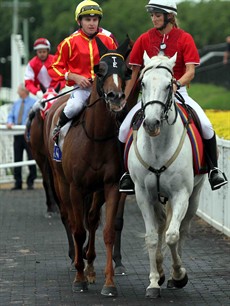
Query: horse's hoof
[[120, 270], [80, 286], [48, 215], [161, 280], [174, 283], [91, 278], [153, 293], [109, 291]]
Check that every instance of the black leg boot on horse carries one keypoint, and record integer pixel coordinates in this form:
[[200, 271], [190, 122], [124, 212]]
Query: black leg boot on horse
[[126, 184], [216, 177], [61, 122], [28, 124]]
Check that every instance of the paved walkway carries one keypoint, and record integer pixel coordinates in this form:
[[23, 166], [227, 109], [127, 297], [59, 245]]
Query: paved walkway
[[34, 266]]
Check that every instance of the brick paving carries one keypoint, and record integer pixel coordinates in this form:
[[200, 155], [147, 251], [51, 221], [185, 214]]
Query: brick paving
[[35, 268]]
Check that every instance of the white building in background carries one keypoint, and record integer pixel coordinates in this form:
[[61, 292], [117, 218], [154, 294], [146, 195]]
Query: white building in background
[[17, 68]]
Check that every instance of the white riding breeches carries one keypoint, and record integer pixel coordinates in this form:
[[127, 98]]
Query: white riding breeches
[[76, 102], [206, 126]]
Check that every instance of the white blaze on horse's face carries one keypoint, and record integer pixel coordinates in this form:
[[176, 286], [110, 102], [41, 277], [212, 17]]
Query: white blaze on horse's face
[[115, 96], [156, 83]]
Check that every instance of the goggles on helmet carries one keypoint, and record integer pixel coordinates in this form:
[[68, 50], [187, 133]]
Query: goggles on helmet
[[90, 10]]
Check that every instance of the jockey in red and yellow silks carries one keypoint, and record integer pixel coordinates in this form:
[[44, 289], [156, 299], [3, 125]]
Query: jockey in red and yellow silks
[[78, 54], [76, 57]]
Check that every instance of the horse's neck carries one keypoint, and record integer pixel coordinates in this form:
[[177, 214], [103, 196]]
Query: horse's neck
[[169, 138], [99, 121]]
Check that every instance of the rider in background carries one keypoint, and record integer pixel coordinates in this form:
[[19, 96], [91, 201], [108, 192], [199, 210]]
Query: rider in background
[[166, 38], [36, 75], [36, 70], [75, 59]]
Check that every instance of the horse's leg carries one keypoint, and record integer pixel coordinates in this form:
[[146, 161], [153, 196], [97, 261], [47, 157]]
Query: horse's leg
[[43, 165], [61, 196], [154, 226], [51, 202], [191, 212], [179, 206], [92, 222], [79, 233], [119, 268], [111, 199]]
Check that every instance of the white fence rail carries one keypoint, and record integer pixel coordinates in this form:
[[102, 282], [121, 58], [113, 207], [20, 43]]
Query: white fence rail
[[214, 205], [7, 154]]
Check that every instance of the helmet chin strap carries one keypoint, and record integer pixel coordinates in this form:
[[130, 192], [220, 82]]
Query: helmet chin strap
[[166, 21]]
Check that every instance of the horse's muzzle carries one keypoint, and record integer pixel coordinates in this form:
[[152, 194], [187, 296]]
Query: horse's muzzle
[[116, 101], [152, 128]]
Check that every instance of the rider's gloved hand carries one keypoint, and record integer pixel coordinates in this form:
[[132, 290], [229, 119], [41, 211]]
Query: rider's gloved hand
[[39, 94]]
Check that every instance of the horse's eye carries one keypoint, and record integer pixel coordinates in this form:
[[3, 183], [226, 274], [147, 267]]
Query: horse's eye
[[142, 85]]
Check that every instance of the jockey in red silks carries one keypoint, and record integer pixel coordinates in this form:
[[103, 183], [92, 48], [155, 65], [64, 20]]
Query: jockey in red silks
[[36, 75], [36, 71]]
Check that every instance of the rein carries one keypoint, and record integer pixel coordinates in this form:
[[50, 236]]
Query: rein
[[166, 106], [58, 96]]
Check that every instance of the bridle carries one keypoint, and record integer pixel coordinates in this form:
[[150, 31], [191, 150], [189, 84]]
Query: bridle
[[166, 108], [169, 101], [100, 80]]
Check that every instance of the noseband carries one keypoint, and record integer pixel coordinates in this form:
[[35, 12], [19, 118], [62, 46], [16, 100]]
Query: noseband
[[167, 105]]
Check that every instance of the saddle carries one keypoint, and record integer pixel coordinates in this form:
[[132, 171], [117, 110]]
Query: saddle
[[193, 131]]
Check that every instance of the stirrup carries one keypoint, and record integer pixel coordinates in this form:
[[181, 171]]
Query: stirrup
[[126, 184], [56, 132], [213, 175]]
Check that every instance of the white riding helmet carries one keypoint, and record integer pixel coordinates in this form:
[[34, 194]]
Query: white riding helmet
[[162, 6]]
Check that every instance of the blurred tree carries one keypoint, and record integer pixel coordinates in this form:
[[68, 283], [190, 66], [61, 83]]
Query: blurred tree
[[207, 21]]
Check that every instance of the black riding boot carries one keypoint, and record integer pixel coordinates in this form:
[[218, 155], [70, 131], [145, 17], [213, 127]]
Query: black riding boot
[[28, 124], [61, 122], [216, 178], [126, 184]]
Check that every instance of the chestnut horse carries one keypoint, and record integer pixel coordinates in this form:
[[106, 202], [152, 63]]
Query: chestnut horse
[[91, 166], [34, 137]]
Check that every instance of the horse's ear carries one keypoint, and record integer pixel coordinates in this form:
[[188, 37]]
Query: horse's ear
[[146, 58], [58, 87], [173, 59], [43, 89], [101, 69], [101, 47], [122, 49]]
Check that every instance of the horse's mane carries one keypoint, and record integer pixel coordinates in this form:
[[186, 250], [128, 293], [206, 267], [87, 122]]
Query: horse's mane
[[156, 61]]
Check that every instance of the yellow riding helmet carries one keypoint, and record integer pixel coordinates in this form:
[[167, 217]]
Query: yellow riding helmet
[[88, 8]]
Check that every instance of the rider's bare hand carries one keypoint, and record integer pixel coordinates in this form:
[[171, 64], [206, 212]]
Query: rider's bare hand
[[80, 80]]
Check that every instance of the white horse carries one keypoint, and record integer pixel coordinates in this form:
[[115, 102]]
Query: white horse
[[161, 165]]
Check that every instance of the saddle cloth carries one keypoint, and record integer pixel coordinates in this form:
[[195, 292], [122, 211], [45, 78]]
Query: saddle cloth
[[199, 163]]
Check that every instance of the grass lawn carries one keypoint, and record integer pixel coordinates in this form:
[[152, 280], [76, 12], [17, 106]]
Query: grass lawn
[[210, 96]]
